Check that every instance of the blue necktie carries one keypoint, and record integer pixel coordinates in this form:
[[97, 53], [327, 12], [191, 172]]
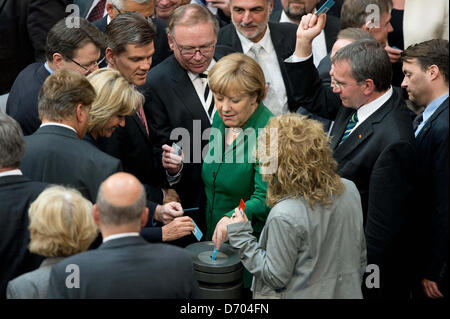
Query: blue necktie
[[350, 126]]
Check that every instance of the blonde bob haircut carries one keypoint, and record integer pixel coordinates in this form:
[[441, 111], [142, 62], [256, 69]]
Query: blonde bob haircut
[[115, 96], [237, 73], [61, 223], [306, 167]]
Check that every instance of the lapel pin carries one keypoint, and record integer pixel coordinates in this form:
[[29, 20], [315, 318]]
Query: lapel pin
[[360, 136]]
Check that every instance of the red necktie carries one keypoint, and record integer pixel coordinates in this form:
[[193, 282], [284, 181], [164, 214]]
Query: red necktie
[[143, 118], [97, 12]]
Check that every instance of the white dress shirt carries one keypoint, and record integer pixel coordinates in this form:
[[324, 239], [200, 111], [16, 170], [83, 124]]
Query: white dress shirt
[[122, 235], [276, 100], [11, 172], [59, 124]]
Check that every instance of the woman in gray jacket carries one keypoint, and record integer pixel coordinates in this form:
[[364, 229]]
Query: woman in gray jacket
[[61, 225], [312, 245]]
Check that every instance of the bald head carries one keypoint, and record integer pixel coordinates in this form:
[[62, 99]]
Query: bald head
[[121, 200]]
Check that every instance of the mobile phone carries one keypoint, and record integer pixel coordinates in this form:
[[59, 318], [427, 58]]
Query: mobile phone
[[325, 7]]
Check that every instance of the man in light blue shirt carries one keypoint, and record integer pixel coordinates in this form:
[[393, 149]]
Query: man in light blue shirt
[[425, 66]]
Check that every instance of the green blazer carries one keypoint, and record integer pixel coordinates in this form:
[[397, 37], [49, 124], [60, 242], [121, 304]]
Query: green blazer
[[231, 173]]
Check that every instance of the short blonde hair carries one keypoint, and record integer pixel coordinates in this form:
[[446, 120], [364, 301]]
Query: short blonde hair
[[306, 166], [237, 72], [61, 223], [115, 96]]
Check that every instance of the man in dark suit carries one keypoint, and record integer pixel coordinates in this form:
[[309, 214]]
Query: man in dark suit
[[16, 194], [91, 10], [66, 48], [266, 42], [175, 98], [425, 66], [125, 265], [294, 10], [130, 50], [147, 9], [55, 153], [23, 28], [373, 144]]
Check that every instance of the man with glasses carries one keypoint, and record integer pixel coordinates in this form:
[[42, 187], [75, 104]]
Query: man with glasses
[[147, 9], [373, 143], [75, 49], [177, 97]]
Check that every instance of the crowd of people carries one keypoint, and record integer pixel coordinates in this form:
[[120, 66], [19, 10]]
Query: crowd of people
[[151, 119]]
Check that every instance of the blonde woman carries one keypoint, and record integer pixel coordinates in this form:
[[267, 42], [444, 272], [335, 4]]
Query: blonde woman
[[312, 245], [61, 225], [116, 98]]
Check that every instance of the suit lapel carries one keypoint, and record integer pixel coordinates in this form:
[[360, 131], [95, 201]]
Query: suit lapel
[[184, 89], [279, 43], [429, 123], [339, 128], [235, 42], [140, 125]]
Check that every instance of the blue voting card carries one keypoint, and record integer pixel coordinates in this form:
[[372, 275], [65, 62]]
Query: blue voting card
[[213, 257], [197, 232], [325, 7]]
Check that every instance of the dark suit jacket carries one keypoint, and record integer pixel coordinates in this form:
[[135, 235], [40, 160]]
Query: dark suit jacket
[[283, 37], [22, 104], [433, 161], [16, 195], [24, 25], [56, 155], [84, 6], [331, 29], [162, 49], [172, 103], [128, 268], [379, 158]]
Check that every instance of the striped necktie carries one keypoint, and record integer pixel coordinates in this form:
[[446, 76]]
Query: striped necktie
[[350, 126], [207, 96]]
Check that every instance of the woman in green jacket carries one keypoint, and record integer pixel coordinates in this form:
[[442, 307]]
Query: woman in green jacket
[[230, 172]]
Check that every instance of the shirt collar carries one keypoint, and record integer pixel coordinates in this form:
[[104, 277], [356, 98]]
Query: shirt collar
[[59, 124], [368, 109], [48, 68], [11, 172], [285, 18], [433, 106], [265, 42], [194, 76], [122, 235]]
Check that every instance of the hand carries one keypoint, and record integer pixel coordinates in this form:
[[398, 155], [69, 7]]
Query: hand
[[171, 195], [309, 28], [394, 54], [179, 227], [237, 217], [431, 289], [220, 233], [171, 161], [223, 5], [168, 212]]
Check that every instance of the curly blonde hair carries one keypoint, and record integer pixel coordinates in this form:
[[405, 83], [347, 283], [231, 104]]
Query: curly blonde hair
[[115, 96], [306, 166], [61, 223]]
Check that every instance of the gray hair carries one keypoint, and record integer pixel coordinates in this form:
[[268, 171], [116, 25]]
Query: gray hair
[[368, 60], [191, 14], [354, 34], [12, 143], [120, 3], [120, 215]]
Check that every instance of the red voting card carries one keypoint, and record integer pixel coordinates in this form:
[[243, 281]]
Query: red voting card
[[242, 207]]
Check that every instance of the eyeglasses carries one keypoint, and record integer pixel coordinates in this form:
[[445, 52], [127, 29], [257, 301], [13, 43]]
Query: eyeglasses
[[88, 68], [189, 53], [339, 85]]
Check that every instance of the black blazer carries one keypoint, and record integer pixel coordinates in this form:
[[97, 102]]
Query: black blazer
[[171, 102], [283, 37], [162, 49], [56, 155], [16, 194], [22, 104], [433, 161], [379, 158], [331, 29], [128, 268]]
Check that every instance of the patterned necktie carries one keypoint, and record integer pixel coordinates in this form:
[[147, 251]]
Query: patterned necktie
[[350, 126], [207, 95], [417, 120], [97, 11]]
